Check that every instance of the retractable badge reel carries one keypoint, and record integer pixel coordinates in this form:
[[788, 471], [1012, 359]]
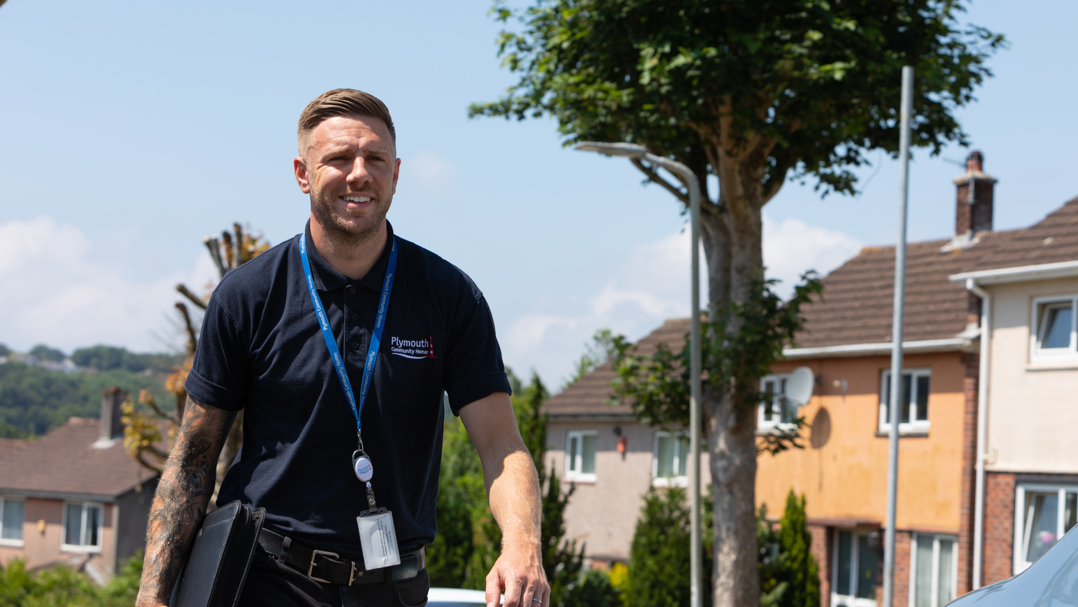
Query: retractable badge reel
[[377, 534]]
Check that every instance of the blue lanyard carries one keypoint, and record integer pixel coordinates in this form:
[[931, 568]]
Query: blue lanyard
[[331, 342]]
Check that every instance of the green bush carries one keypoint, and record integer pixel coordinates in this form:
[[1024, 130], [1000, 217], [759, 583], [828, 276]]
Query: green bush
[[789, 575], [594, 589], [62, 587], [659, 556]]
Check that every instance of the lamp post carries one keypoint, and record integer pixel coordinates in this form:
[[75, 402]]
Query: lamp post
[[687, 177]]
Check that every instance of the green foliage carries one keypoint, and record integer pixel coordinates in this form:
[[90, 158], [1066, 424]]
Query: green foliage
[[43, 352], [593, 590], [789, 575], [62, 587], [469, 540], [810, 84], [603, 347], [4, 350], [107, 358], [34, 400], [659, 560], [737, 349]]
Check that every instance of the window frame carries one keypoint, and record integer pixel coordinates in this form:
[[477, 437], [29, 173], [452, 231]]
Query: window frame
[[1036, 352], [84, 507], [12, 543], [850, 599], [766, 425], [1021, 539], [578, 474], [914, 426], [678, 480], [915, 537]]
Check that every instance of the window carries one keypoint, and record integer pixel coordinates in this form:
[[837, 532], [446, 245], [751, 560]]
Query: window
[[670, 464], [856, 570], [1053, 329], [580, 456], [933, 570], [12, 512], [775, 411], [82, 527], [913, 416], [1042, 514]]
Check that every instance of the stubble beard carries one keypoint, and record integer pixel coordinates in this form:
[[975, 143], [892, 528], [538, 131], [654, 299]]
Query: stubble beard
[[342, 232]]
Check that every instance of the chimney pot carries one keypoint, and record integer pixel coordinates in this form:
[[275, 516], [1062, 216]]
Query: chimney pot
[[974, 200], [111, 424], [975, 162]]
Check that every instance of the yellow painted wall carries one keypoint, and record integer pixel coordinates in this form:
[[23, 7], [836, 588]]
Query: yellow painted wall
[[845, 477]]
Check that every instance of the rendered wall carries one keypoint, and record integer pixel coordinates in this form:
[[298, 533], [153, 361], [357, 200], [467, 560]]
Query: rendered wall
[[42, 548], [1031, 411], [843, 472]]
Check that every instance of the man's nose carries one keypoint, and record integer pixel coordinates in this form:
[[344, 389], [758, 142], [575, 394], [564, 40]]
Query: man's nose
[[359, 171]]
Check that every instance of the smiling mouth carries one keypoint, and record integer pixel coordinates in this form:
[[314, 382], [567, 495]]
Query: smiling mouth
[[356, 199]]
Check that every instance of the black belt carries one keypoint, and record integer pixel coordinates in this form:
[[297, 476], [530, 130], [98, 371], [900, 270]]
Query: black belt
[[329, 567]]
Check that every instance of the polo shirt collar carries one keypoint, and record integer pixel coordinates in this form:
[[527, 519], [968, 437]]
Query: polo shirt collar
[[328, 279]]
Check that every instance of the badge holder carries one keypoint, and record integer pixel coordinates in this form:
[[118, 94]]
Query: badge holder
[[377, 535]]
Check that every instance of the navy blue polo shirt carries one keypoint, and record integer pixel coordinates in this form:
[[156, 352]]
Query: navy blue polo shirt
[[261, 350]]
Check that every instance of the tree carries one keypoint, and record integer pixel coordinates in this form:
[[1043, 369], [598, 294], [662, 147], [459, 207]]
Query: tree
[[659, 554], [789, 575], [142, 432], [4, 350], [603, 347], [753, 93], [43, 352]]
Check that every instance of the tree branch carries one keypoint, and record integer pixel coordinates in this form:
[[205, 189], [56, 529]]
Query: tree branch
[[654, 176], [192, 338], [195, 299]]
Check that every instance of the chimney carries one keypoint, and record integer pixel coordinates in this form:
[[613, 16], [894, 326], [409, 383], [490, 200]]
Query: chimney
[[973, 206], [112, 426]]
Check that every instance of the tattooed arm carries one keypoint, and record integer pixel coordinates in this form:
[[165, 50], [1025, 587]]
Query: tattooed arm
[[181, 498]]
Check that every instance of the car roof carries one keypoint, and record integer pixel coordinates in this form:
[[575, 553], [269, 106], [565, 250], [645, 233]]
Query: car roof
[[456, 596]]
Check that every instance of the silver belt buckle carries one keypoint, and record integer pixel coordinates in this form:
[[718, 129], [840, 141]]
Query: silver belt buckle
[[310, 568]]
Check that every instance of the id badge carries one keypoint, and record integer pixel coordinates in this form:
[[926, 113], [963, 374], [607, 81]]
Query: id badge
[[378, 538]]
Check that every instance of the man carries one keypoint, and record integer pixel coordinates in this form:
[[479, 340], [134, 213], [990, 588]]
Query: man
[[264, 348]]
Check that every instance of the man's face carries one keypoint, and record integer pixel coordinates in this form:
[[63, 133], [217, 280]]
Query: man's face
[[349, 166]]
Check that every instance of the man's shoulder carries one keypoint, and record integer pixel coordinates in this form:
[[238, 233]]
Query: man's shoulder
[[256, 278], [434, 269]]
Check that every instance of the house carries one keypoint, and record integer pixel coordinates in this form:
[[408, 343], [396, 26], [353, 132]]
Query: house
[[1030, 277], [74, 496]]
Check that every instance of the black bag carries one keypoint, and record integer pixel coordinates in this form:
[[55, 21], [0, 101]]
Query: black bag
[[216, 568]]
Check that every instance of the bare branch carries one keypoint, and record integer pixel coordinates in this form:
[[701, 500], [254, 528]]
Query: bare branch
[[195, 299], [214, 245], [237, 248], [192, 338], [654, 176]]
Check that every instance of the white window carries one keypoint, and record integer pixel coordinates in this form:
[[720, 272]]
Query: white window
[[855, 572], [775, 411], [913, 414], [580, 456], [12, 513], [1042, 514], [1053, 329], [670, 464], [82, 527], [933, 569]]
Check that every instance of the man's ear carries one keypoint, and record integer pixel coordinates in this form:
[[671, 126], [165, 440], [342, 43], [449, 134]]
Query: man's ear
[[396, 173], [302, 178]]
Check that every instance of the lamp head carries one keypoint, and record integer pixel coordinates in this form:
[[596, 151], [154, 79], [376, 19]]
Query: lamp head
[[630, 150]]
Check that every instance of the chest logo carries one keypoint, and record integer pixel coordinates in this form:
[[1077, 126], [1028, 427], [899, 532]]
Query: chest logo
[[412, 348]]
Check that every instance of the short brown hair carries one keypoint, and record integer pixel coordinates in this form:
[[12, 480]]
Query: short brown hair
[[343, 102]]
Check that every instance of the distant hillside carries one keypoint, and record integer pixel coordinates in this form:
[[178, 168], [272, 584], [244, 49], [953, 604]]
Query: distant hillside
[[34, 400]]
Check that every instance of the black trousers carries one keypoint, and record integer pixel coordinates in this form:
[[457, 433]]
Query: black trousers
[[270, 582]]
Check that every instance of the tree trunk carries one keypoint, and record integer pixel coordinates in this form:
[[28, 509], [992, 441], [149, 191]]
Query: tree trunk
[[733, 248]]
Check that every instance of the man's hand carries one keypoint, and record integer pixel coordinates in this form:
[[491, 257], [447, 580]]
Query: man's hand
[[513, 490], [185, 488], [518, 573]]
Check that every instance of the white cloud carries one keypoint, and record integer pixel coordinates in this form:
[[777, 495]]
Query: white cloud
[[54, 294], [653, 285], [430, 169]]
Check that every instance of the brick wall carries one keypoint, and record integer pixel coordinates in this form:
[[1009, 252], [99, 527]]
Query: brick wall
[[998, 527], [821, 551], [969, 448], [902, 569]]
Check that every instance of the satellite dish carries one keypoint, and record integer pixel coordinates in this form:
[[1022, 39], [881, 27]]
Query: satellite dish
[[799, 386]]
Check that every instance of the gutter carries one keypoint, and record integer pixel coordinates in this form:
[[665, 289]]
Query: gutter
[[982, 426], [928, 345], [1042, 271]]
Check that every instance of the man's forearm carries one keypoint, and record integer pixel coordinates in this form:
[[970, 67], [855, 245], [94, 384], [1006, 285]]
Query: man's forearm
[[180, 502], [513, 490]]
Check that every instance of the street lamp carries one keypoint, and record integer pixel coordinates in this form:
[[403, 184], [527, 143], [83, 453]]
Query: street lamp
[[687, 177]]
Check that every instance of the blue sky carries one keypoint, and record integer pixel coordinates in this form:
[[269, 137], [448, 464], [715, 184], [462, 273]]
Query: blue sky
[[130, 130]]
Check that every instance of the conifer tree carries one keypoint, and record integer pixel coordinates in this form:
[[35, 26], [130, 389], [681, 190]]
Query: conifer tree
[[659, 555]]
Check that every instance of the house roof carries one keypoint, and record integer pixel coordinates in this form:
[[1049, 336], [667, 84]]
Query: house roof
[[857, 302], [66, 462]]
